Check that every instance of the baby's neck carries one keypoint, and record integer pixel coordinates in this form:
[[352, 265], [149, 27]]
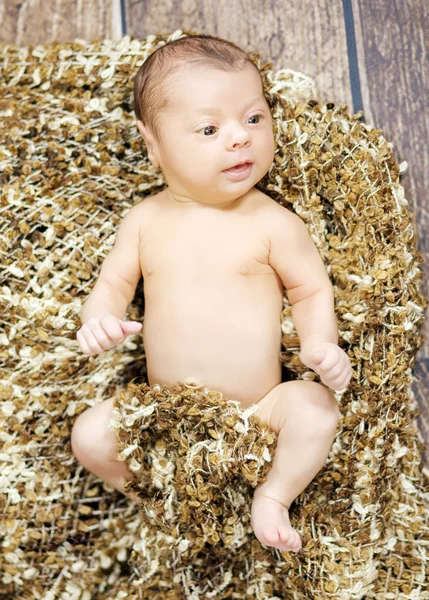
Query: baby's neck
[[187, 203]]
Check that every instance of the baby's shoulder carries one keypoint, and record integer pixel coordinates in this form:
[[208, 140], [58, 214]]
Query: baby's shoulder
[[144, 209], [275, 220], [270, 209]]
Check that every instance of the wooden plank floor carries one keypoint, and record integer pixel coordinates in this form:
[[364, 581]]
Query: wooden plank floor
[[24, 22], [394, 74], [340, 43]]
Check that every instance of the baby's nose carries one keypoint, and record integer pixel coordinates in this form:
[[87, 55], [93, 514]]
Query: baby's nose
[[193, 383]]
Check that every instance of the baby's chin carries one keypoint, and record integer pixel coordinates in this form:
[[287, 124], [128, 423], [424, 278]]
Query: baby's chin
[[226, 191]]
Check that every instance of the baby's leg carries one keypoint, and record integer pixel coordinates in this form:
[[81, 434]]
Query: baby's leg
[[94, 445], [305, 415]]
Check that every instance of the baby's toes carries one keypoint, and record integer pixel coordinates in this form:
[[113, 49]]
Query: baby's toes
[[271, 533], [296, 541], [285, 534]]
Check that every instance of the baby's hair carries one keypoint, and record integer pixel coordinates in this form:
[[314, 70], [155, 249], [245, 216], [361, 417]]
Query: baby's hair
[[150, 88]]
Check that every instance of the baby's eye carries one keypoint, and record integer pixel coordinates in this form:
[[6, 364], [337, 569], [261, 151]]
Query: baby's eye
[[256, 116], [208, 127], [204, 129]]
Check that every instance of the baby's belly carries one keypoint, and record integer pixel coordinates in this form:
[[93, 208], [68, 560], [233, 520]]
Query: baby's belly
[[228, 338]]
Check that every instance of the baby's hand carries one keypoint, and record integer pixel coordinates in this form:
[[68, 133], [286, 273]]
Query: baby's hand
[[103, 332], [330, 362]]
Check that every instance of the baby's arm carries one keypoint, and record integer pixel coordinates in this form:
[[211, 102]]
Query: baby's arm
[[296, 259], [120, 272]]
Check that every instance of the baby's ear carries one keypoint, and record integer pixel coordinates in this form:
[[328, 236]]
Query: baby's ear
[[149, 141], [143, 131]]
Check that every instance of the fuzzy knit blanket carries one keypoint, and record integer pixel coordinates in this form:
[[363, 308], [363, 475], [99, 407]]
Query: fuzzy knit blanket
[[72, 163]]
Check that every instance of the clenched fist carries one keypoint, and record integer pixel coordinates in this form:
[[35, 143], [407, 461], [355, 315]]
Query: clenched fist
[[103, 332], [330, 362]]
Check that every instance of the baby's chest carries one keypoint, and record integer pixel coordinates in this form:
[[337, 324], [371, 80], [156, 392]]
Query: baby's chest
[[200, 256]]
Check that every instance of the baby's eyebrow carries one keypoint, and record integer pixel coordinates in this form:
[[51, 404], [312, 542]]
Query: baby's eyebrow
[[214, 109]]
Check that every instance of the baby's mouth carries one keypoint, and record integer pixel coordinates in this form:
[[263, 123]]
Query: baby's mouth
[[240, 167]]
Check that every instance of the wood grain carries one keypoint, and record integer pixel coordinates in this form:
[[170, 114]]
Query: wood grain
[[44, 21], [307, 36], [394, 73]]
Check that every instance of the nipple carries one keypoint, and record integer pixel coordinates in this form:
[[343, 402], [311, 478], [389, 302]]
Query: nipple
[[191, 382]]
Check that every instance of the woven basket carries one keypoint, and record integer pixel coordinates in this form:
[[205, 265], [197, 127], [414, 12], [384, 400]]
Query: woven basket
[[72, 164]]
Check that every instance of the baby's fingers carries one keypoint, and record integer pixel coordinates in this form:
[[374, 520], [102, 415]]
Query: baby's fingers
[[88, 342], [130, 327], [111, 327], [340, 381], [343, 384], [337, 371], [332, 364], [102, 333], [346, 377]]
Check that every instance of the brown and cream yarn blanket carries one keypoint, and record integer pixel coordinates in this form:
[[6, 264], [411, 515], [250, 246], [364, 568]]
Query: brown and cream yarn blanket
[[72, 163]]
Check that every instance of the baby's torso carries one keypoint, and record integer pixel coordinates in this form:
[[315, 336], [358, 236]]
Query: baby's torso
[[212, 301]]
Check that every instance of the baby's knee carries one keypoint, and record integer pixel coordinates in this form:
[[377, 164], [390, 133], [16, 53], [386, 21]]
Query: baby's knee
[[324, 409], [91, 441], [82, 437]]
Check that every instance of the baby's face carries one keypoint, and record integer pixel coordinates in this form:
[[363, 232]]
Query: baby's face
[[219, 119]]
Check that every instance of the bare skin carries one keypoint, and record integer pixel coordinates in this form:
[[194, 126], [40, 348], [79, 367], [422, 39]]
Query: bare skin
[[207, 261], [191, 267], [213, 302], [194, 264]]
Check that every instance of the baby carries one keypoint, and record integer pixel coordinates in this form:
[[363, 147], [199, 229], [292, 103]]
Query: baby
[[216, 255]]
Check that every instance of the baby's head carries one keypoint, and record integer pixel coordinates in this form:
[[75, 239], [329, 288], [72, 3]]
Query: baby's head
[[201, 109]]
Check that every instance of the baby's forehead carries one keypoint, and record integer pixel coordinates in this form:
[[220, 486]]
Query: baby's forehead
[[183, 75], [178, 98]]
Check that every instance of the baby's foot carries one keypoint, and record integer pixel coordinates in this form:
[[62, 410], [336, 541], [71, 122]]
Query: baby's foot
[[271, 525]]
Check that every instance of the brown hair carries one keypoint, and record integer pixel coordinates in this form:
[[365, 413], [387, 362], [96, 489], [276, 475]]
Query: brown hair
[[150, 88]]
